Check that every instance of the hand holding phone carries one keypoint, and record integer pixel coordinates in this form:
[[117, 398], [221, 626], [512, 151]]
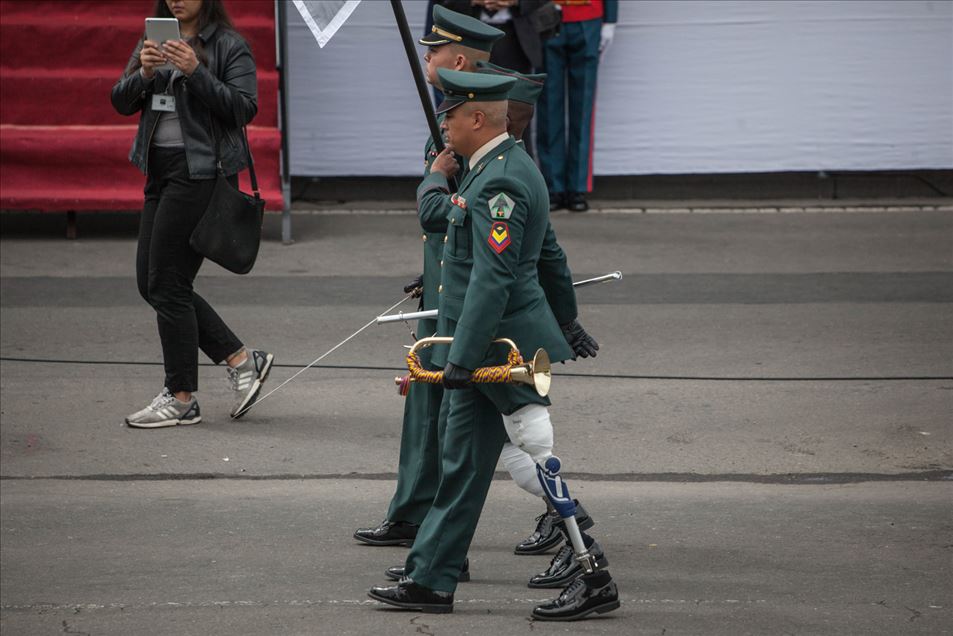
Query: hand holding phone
[[181, 55], [151, 58]]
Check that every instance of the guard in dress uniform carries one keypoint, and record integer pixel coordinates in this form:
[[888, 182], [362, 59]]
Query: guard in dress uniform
[[418, 467], [461, 41], [564, 144], [490, 288]]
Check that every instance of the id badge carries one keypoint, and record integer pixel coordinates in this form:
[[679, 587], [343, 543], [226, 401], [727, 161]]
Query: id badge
[[164, 103]]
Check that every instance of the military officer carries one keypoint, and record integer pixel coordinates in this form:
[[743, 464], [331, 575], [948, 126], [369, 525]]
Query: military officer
[[556, 279], [459, 42], [489, 289], [455, 41]]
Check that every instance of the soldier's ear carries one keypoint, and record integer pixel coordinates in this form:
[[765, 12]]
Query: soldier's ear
[[479, 119]]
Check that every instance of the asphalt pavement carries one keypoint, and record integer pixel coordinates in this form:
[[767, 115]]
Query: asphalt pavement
[[765, 439]]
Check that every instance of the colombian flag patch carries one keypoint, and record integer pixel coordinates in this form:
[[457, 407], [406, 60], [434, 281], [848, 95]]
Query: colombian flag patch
[[499, 237]]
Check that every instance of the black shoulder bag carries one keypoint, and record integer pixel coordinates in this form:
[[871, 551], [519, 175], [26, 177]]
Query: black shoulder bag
[[229, 233]]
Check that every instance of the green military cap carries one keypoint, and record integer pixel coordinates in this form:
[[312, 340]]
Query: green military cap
[[450, 26], [460, 87], [527, 87]]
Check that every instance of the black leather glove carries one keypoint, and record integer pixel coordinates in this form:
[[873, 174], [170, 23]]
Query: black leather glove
[[455, 377], [583, 345], [416, 286]]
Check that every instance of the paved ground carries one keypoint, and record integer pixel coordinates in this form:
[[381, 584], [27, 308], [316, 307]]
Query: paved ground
[[765, 438]]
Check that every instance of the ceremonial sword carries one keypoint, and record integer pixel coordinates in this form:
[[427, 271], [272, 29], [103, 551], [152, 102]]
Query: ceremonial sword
[[399, 317], [432, 313]]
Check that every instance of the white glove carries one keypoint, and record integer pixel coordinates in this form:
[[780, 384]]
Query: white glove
[[605, 37]]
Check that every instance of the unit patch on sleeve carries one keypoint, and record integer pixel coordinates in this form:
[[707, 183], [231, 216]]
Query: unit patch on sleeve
[[458, 201], [501, 206], [499, 237]]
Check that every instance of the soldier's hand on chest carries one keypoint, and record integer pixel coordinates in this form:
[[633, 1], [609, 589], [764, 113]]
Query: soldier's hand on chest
[[445, 163]]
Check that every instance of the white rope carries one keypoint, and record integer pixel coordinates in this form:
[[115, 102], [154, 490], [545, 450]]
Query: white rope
[[323, 356]]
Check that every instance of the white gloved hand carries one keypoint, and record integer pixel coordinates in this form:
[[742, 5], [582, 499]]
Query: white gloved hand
[[605, 37]]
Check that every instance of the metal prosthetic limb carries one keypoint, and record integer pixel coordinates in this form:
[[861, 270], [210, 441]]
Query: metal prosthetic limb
[[558, 495]]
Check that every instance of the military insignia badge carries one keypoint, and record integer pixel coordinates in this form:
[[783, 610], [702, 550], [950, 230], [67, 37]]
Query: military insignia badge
[[458, 201], [501, 206], [499, 237]]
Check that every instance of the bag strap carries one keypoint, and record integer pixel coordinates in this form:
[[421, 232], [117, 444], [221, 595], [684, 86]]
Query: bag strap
[[248, 157], [251, 163]]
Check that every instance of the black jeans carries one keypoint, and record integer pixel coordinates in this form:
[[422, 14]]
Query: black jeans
[[166, 266]]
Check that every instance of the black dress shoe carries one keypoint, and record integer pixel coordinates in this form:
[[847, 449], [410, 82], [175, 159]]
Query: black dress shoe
[[557, 201], [388, 533], [564, 567], [577, 202], [550, 531], [595, 592], [396, 573], [408, 595], [546, 535]]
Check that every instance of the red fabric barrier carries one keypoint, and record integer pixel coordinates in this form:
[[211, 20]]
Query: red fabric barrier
[[62, 146], [58, 168]]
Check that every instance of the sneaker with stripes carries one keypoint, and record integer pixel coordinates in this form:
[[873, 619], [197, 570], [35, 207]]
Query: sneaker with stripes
[[166, 410], [247, 378]]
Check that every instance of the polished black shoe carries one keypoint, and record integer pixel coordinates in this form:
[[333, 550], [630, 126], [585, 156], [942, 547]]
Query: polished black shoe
[[577, 202], [396, 573], [388, 533], [408, 595], [557, 201], [564, 567], [595, 592], [550, 531], [545, 536]]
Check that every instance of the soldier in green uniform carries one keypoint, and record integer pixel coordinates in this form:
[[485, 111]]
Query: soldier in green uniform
[[490, 288], [459, 42]]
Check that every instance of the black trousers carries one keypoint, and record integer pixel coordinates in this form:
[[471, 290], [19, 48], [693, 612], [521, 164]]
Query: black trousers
[[166, 267]]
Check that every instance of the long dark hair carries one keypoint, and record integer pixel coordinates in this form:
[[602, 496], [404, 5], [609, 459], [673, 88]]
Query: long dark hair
[[212, 11]]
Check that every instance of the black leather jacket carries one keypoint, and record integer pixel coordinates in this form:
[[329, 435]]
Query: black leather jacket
[[213, 103]]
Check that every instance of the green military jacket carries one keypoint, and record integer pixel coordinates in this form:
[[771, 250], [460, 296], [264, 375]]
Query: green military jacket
[[498, 224], [433, 205], [432, 214]]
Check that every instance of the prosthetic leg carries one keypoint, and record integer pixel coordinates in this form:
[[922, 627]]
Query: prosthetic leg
[[530, 429], [549, 527], [558, 495]]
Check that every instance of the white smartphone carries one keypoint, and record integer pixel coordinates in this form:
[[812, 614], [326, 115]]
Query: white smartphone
[[160, 30]]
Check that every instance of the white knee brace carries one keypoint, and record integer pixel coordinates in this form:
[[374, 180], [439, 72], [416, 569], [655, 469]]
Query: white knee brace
[[522, 469], [531, 430]]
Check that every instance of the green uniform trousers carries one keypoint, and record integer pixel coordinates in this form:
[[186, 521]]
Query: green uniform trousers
[[472, 436], [418, 472]]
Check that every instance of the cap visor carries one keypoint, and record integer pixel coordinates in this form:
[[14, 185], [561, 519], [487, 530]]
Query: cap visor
[[448, 104], [433, 39]]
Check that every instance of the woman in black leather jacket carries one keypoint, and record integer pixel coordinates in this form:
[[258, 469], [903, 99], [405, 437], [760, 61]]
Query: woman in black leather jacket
[[200, 99]]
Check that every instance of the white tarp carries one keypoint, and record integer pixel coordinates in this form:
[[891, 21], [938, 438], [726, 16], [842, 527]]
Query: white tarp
[[687, 87]]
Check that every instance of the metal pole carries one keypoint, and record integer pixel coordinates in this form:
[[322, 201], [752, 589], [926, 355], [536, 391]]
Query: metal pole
[[422, 89], [411, 52], [281, 55]]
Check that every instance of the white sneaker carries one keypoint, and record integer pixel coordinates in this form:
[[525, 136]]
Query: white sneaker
[[246, 379], [166, 410]]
